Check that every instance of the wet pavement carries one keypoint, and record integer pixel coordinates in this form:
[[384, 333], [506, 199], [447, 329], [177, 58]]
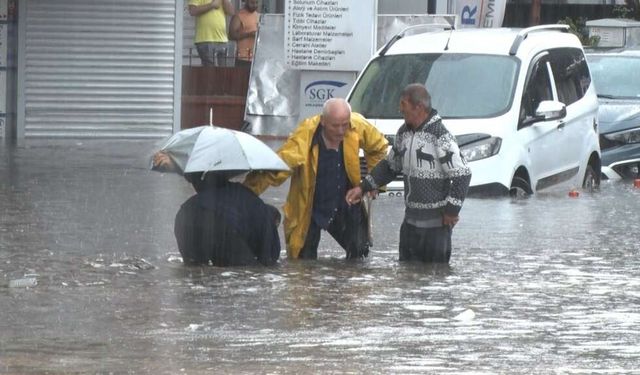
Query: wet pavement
[[91, 281]]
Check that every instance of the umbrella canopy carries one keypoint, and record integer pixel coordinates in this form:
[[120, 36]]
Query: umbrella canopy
[[211, 148]]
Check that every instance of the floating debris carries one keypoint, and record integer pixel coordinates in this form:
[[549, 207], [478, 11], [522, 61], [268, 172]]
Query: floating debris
[[25, 282], [465, 316], [174, 259]]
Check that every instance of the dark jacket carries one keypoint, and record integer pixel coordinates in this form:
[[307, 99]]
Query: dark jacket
[[227, 225]]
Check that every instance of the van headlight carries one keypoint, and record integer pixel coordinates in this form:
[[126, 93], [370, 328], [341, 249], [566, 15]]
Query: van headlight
[[481, 149], [624, 137]]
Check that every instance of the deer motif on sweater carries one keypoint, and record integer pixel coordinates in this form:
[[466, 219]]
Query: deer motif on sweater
[[447, 159], [421, 155]]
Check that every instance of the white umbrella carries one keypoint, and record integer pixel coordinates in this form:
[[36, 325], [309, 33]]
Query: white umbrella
[[211, 148]]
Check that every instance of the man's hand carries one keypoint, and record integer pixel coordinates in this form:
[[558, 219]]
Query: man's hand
[[354, 196], [450, 220], [162, 162]]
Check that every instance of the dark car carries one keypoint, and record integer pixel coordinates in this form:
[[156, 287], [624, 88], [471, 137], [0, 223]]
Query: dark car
[[616, 76]]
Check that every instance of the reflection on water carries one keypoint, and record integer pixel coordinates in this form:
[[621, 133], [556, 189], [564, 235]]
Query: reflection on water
[[546, 285]]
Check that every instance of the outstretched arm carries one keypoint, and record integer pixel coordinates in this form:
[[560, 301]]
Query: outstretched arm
[[386, 170], [294, 152], [259, 181]]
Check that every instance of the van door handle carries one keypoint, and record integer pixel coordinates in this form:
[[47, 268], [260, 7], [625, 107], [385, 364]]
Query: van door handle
[[560, 126]]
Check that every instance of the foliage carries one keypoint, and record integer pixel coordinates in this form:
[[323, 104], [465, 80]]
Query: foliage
[[620, 11], [631, 9], [578, 27]]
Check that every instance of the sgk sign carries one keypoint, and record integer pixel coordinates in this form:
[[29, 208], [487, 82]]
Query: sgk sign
[[316, 87]]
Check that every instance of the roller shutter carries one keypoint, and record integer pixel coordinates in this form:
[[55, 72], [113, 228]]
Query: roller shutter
[[99, 68]]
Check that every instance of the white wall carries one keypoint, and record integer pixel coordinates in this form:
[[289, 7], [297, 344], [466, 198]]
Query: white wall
[[402, 6]]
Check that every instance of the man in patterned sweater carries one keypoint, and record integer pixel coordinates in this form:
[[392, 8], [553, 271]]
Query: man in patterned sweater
[[436, 179]]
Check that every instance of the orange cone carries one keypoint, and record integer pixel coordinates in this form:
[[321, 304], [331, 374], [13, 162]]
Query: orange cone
[[636, 182], [574, 193]]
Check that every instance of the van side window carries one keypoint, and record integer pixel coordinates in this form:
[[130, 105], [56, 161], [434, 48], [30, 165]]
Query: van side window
[[570, 73], [538, 89]]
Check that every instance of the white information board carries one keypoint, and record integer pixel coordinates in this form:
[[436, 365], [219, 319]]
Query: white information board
[[329, 34]]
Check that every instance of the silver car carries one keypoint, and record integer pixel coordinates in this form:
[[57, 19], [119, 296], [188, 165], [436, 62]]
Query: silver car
[[616, 76]]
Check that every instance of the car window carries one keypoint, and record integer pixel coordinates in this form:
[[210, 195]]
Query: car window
[[461, 85], [538, 89], [616, 76], [570, 74]]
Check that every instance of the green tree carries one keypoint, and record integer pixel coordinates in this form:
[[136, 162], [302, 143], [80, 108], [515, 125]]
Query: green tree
[[631, 9], [578, 27]]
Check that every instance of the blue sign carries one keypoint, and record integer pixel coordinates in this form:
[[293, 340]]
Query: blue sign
[[468, 14]]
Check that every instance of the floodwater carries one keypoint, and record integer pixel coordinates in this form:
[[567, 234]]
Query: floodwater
[[547, 285]]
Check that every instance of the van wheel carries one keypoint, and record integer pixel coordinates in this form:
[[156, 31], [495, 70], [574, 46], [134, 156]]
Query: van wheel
[[520, 188], [591, 182]]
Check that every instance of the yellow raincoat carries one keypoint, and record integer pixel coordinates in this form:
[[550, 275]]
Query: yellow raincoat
[[301, 155]]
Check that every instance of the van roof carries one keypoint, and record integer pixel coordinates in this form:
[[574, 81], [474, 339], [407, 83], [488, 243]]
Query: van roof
[[498, 41]]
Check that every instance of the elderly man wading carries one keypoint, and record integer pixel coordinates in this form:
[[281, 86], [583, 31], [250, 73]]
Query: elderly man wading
[[436, 179], [323, 154]]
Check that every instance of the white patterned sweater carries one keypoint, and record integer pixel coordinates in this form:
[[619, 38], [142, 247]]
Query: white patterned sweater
[[436, 176]]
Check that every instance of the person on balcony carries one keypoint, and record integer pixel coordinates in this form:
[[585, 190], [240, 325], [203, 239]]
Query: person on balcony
[[243, 29], [211, 30]]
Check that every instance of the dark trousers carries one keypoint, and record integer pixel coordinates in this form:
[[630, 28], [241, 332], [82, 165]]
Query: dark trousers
[[430, 245], [349, 228]]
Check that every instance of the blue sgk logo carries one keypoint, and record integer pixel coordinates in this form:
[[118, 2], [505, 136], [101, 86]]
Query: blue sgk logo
[[322, 90], [467, 15]]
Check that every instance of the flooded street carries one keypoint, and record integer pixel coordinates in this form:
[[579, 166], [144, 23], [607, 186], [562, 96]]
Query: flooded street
[[91, 281]]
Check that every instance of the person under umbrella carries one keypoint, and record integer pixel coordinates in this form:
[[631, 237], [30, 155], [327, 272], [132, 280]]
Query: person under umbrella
[[224, 223]]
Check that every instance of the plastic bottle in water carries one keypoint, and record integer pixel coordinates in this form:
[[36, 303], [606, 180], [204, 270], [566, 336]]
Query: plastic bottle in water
[[25, 282]]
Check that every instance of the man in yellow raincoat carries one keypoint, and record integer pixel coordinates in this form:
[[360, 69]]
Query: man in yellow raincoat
[[323, 154]]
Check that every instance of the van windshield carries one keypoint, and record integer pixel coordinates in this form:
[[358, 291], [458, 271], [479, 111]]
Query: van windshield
[[461, 85]]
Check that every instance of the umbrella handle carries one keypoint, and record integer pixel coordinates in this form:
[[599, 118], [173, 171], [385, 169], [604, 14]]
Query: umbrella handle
[[210, 116]]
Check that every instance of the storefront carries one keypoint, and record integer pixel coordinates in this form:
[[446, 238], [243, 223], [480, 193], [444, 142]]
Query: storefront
[[115, 68], [98, 69]]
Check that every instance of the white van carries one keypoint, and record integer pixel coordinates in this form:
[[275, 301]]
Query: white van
[[520, 102]]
